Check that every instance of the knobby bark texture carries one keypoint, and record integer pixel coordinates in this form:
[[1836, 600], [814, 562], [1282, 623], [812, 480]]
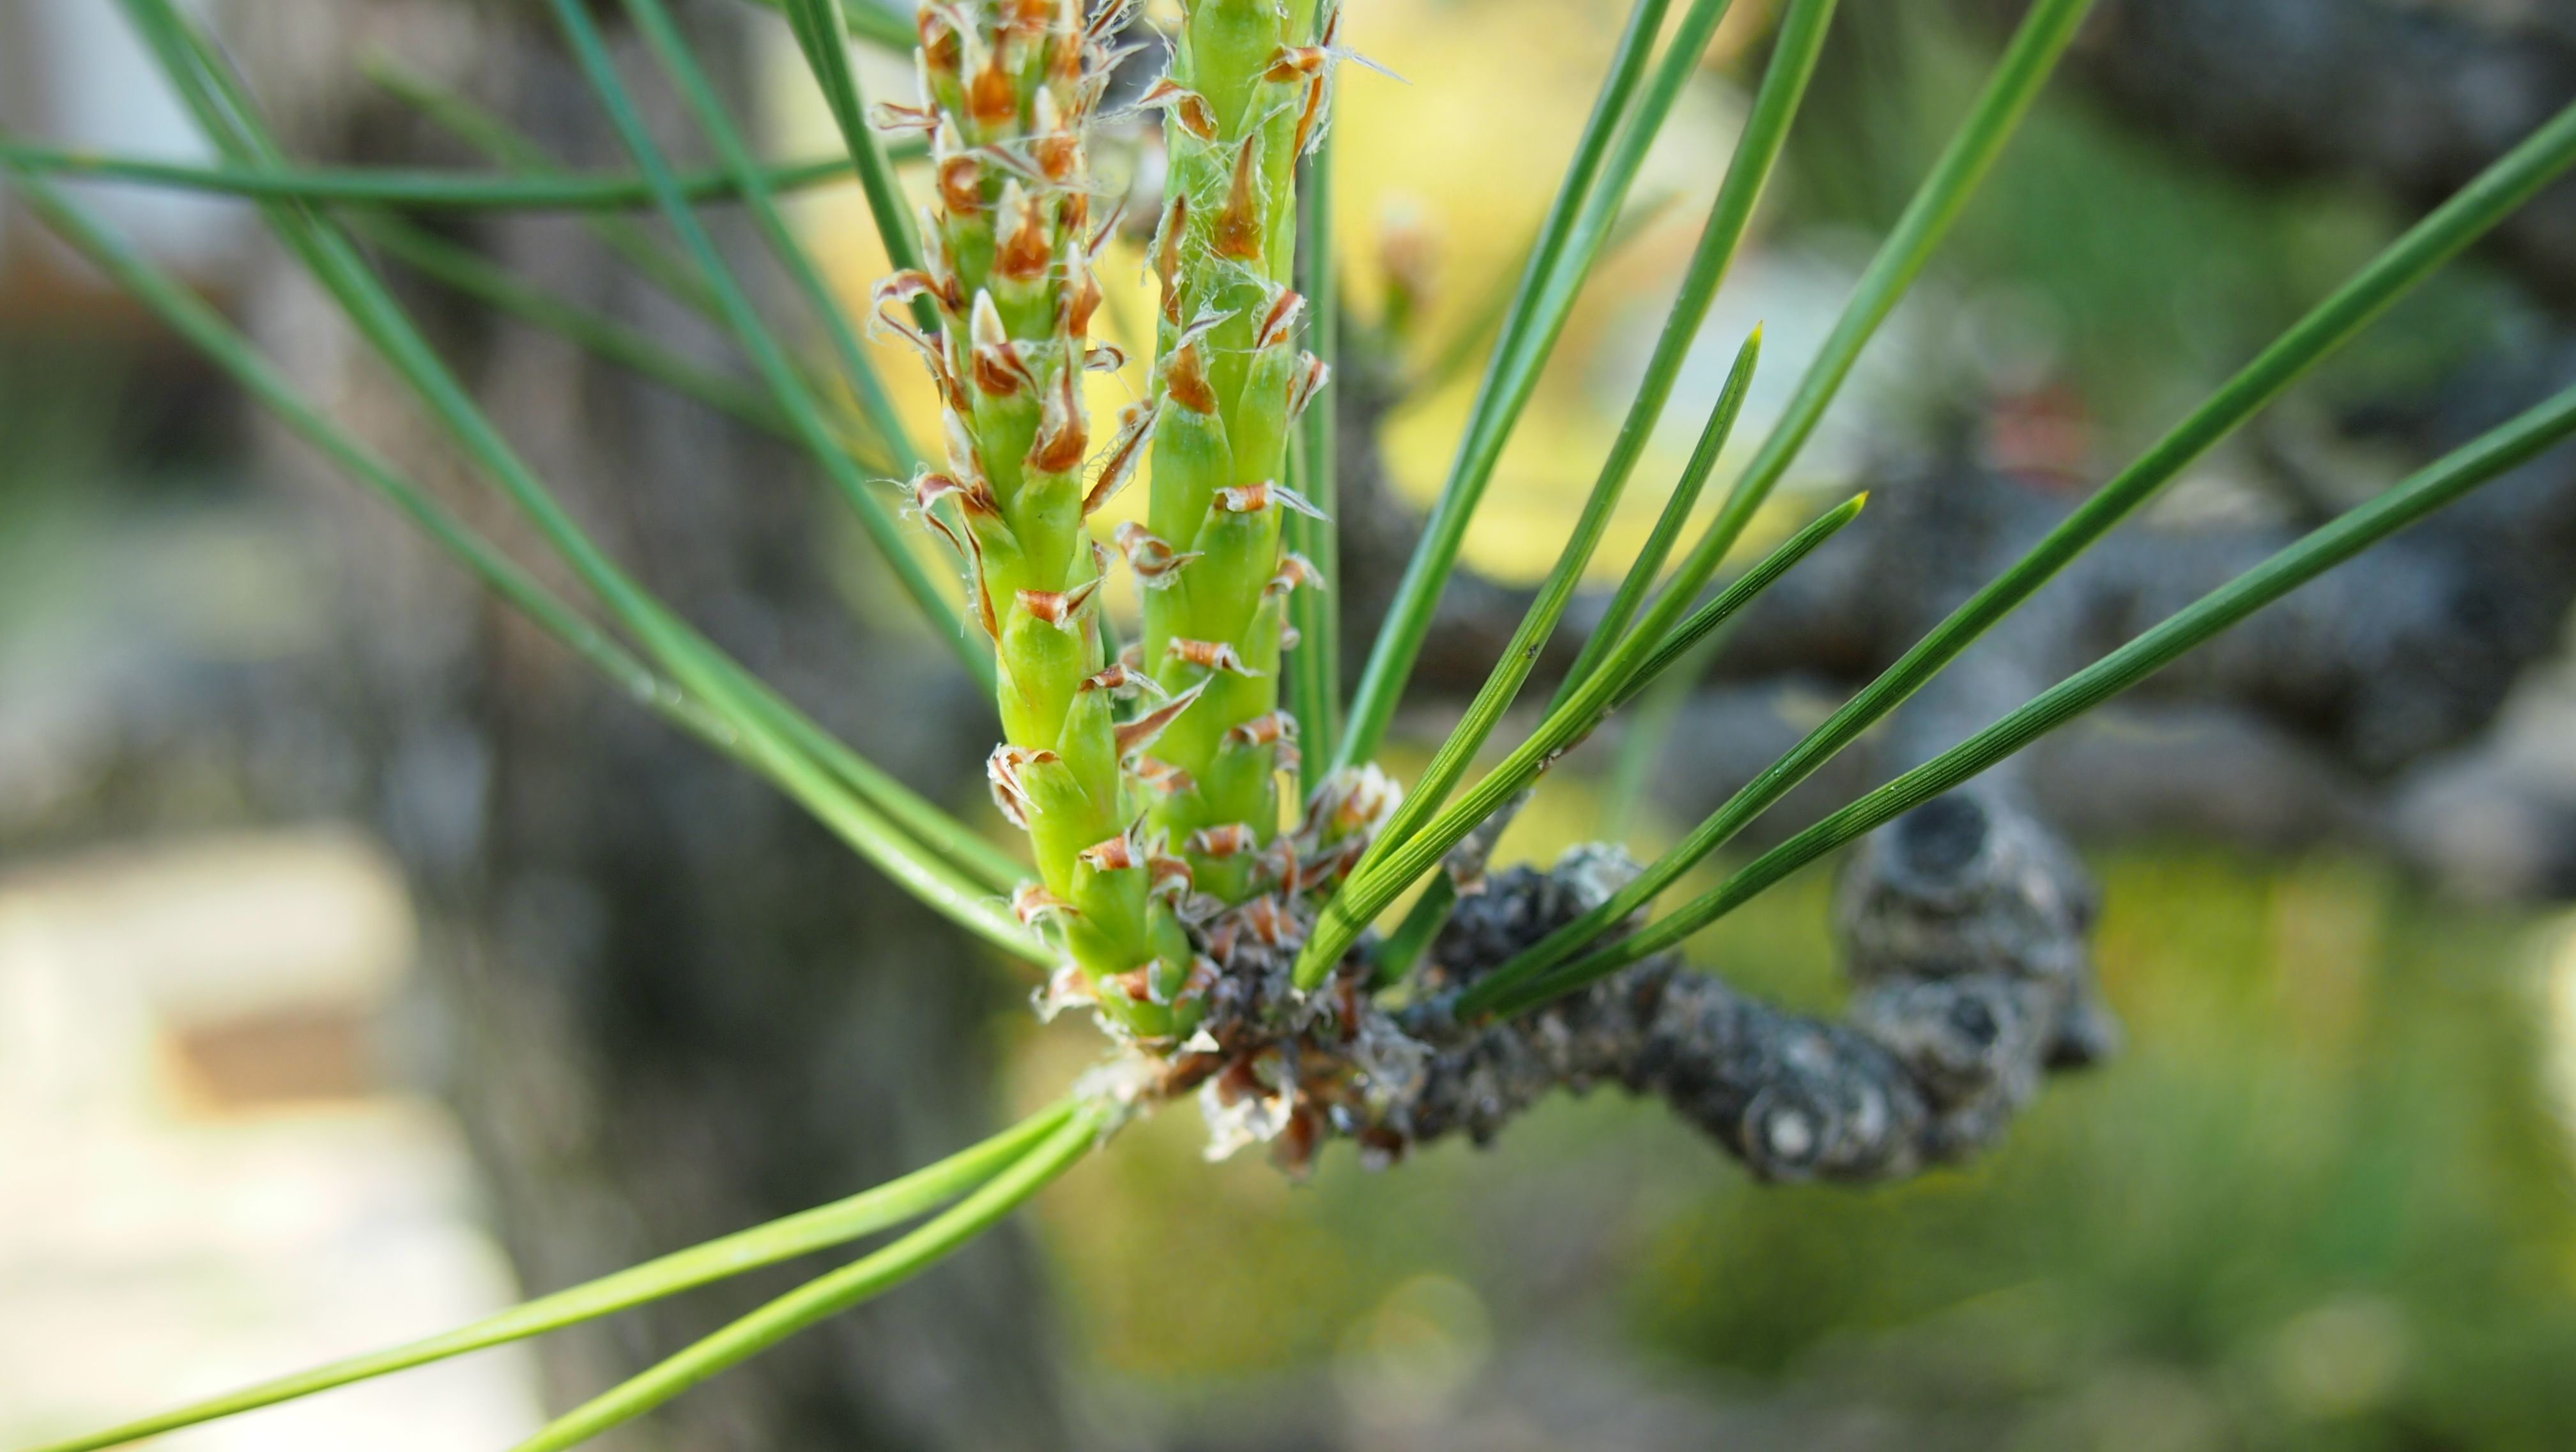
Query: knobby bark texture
[[1971, 981], [672, 1006]]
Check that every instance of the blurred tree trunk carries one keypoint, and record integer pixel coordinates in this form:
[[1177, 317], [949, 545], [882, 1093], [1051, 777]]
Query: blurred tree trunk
[[673, 1005]]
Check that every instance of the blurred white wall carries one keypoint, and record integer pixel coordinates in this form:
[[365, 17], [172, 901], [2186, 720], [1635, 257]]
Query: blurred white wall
[[206, 1176], [73, 74]]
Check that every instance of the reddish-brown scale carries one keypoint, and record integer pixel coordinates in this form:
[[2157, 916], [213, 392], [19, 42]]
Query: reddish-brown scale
[[1266, 729], [999, 371], [993, 98], [923, 496], [1062, 438], [1107, 20], [1058, 155], [1243, 498], [1360, 804], [1347, 1007], [1114, 854], [1059, 608], [1054, 148], [942, 271], [1265, 919], [1134, 736], [1215, 655], [1185, 381], [892, 299], [973, 500], [1026, 250], [939, 44], [1136, 983], [1203, 977], [1107, 231], [998, 367], [1308, 115], [1312, 374], [1149, 555], [1167, 258], [1222, 840], [1185, 1072], [1066, 44], [1119, 681], [1294, 570], [1169, 876], [1279, 320], [1279, 857], [1238, 227], [1256, 497], [1032, 904], [1082, 300], [1378, 1140], [1185, 106], [1295, 62], [961, 185], [1221, 936], [929, 489], [1240, 1081], [1318, 79], [1295, 1149], [895, 117], [984, 610], [902, 287], [1135, 427], [1344, 858], [1002, 771]]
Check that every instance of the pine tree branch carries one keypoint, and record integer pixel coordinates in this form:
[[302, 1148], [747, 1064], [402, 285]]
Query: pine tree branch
[[1971, 984]]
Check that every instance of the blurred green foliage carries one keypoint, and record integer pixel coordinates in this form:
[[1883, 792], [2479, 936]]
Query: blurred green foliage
[[2321, 1194], [2145, 274]]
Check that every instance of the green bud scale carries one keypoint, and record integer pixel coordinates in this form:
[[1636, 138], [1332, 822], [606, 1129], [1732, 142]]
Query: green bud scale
[[1149, 786], [1242, 100], [1009, 92]]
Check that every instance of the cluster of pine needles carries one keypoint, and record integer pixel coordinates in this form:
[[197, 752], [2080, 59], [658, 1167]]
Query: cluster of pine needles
[[1213, 851]]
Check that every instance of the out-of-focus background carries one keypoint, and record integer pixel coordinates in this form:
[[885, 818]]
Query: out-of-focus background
[[364, 965]]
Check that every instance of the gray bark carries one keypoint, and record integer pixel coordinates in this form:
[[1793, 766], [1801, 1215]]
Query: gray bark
[[1971, 982]]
